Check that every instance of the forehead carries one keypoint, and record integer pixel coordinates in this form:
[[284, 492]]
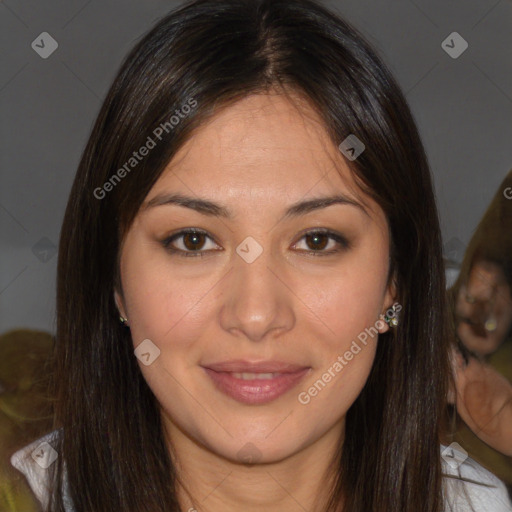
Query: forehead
[[265, 145]]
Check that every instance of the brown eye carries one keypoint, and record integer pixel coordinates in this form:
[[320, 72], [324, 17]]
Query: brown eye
[[193, 241], [190, 242], [317, 241], [322, 243]]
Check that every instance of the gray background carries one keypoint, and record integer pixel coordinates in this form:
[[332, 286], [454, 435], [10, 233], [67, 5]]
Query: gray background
[[463, 108]]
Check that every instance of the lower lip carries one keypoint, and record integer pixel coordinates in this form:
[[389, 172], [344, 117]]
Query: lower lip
[[255, 391]]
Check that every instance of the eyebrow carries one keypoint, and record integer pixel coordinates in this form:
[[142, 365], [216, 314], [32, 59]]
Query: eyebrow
[[216, 210]]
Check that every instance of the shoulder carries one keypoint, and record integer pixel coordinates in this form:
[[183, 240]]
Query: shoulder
[[34, 461], [468, 486]]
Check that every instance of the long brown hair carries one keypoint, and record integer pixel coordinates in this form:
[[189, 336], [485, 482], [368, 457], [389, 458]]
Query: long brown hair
[[213, 53]]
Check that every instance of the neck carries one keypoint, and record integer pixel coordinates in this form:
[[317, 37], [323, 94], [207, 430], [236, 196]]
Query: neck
[[209, 482]]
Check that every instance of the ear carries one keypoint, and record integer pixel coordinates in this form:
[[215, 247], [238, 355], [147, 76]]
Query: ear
[[119, 303], [387, 303]]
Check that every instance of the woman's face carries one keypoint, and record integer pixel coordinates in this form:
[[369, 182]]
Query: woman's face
[[256, 325]]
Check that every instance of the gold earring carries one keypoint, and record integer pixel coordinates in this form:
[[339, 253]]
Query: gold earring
[[123, 320]]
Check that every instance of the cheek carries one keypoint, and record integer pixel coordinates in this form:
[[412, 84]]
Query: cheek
[[346, 302], [344, 324], [503, 309], [160, 305], [344, 362]]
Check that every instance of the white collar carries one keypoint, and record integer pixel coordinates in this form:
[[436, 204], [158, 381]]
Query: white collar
[[34, 460]]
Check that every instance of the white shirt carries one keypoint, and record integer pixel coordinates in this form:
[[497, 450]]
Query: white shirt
[[481, 491]]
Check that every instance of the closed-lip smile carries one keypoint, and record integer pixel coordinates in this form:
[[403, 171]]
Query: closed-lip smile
[[255, 382]]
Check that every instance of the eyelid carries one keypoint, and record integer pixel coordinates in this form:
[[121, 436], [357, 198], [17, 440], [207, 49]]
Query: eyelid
[[333, 235], [199, 253]]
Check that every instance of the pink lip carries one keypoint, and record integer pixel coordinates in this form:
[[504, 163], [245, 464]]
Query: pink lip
[[241, 366], [255, 391]]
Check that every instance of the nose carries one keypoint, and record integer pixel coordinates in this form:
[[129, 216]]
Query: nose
[[257, 302]]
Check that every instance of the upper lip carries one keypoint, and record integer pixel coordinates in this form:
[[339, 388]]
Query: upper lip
[[241, 366]]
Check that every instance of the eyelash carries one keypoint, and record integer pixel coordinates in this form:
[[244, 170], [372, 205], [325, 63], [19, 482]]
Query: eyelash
[[342, 242]]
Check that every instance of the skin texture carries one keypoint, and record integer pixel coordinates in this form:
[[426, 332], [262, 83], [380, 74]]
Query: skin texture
[[256, 158]]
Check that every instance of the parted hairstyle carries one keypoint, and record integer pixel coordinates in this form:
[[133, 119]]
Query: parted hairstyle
[[213, 53]]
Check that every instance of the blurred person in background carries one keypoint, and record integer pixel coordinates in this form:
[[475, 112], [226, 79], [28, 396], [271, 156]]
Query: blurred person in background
[[481, 300]]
